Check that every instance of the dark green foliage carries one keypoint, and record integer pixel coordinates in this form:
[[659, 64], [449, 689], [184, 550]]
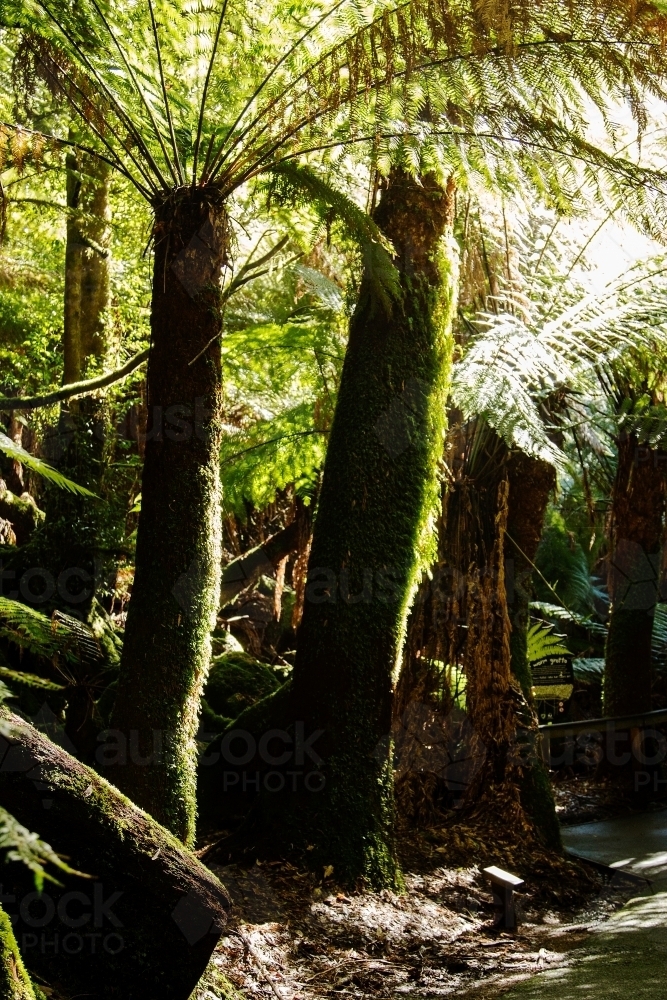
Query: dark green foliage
[[562, 561]]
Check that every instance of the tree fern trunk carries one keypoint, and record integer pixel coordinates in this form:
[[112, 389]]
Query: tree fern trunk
[[531, 482], [637, 511], [379, 491], [175, 591]]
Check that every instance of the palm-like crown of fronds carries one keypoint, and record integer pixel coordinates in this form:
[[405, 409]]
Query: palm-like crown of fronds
[[459, 83]]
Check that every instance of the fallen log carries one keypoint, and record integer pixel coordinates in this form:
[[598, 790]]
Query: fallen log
[[262, 560], [142, 923]]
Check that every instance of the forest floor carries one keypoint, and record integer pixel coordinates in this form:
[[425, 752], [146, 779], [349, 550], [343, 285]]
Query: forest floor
[[297, 936]]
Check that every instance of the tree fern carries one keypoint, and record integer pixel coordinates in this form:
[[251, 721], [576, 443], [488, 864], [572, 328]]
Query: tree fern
[[519, 357], [413, 80]]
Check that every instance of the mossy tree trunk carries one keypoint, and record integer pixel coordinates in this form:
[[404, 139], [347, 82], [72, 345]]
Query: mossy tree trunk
[[175, 592], [635, 532], [86, 265], [531, 482], [379, 494], [14, 980]]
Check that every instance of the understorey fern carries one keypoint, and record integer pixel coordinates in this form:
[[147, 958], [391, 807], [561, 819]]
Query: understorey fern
[[57, 637], [38, 466]]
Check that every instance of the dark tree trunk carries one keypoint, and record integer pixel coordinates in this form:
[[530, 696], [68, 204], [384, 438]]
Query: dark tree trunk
[[379, 493], [175, 592], [491, 693], [636, 525], [531, 482], [463, 621], [143, 924]]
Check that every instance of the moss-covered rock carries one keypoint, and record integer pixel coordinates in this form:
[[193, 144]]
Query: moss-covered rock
[[236, 681]]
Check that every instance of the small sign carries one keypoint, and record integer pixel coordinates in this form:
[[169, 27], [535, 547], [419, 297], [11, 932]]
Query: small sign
[[553, 684], [552, 670]]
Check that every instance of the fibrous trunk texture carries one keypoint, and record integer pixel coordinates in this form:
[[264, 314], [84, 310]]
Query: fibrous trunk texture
[[487, 762], [637, 511], [379, 494], [531, 482], [143, 924], [175, 592]]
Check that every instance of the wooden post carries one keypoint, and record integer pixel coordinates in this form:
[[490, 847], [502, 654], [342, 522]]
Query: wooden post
[[503, 886]]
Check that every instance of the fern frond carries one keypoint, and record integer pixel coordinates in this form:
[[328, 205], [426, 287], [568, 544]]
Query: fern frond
[[26, 847], [37, 465], [59, 635], [520, 357], [543, 642]]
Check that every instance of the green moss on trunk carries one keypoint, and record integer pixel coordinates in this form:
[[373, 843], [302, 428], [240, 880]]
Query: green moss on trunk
[[374, 521], [14, 980], [175, 593]]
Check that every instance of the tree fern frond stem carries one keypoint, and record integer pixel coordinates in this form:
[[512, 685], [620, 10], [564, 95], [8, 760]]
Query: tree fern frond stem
[[264, 444], [258, 90], [115, 163], [163, 84], [202, 105], [207, 158], [145, 102], [539, 573], [116, 106]]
